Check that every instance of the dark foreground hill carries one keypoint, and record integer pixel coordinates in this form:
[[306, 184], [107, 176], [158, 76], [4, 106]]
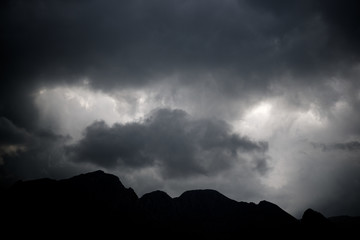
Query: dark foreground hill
[[97, 202]]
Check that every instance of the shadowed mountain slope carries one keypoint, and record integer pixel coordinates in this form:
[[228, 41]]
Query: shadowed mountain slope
[[99, 202]]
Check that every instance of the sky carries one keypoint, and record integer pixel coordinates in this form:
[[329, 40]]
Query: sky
[[256, 99]]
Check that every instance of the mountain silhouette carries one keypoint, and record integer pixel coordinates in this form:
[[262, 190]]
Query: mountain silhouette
[[313, 218], [98, 202]]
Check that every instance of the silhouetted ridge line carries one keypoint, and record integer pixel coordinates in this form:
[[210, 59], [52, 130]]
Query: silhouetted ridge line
[[99, 201]]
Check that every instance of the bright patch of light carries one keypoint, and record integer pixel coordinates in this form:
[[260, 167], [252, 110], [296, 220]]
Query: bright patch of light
[[10, 150], [42, 91], [288, 130], [307, 121], [255, 120], [68, 110], [85, 99]]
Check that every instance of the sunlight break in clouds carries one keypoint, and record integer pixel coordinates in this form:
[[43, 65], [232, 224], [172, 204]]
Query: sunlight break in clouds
[[68, 110], [255, 122]]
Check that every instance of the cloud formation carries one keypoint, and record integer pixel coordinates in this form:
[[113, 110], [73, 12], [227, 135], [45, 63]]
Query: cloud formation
[[132, 43], [10, 134], [239, 49], [171, 140], [347, 146], [28, 155]]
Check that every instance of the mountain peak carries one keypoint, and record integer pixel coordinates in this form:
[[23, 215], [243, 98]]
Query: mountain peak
[[314, 218], [265, 203], [202, 193], [97, 178], [157, 195], [97, 172]]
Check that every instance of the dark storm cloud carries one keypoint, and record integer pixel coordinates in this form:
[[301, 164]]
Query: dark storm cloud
[[244, 45], [343, 18], [347, 146], [132, 42], [171, 140], [10, 134], [25, 155]]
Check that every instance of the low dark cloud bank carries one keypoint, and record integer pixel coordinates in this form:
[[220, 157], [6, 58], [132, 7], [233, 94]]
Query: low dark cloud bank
[[171, 140], [10, 134], [25, 155], [347, 146]]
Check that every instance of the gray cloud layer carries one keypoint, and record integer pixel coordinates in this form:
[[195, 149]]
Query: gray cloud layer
[[27, 155], [134, 42], [10, 134], [347, 146], [244, 45], [171, 140]]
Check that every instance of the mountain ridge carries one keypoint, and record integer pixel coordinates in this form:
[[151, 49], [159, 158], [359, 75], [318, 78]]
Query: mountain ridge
[[100, 201]]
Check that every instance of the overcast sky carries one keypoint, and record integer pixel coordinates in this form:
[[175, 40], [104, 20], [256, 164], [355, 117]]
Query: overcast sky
[[258, 99]]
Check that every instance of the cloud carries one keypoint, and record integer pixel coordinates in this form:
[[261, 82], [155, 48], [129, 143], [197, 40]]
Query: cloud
[[347, 146], [343, 19], [171, 140], [325, 180], [10, 134], [29, 155], [12, 139], [238, 50], [120, 43]]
